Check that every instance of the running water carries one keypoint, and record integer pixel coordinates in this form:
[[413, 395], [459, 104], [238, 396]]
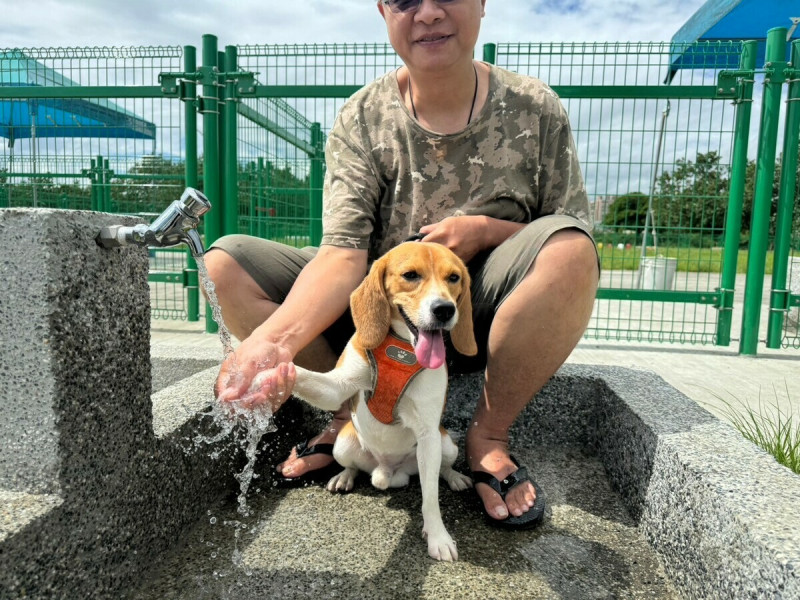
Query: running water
[[216, 311], [256, 421]]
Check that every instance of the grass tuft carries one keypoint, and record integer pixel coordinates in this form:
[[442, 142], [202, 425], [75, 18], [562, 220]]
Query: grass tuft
[[771, 427]]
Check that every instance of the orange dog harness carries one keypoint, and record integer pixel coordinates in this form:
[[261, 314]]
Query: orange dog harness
[[394, 365]]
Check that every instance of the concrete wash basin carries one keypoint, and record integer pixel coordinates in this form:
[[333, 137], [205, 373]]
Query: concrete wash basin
[[103, 494]]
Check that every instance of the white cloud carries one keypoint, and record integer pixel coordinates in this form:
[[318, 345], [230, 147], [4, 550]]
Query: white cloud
[[180, 22], [70, 23]]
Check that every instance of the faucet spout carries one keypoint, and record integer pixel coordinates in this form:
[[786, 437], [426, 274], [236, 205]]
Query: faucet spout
[[176, 225], [195, 243]]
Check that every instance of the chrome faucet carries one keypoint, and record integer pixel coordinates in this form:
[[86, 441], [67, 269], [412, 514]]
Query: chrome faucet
[[176, 225]]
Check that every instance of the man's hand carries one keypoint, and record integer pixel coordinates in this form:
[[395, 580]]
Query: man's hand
[[319, 296], [469, 234], [256, 373]]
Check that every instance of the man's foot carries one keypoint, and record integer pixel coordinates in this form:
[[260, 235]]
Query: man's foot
[[295, 466], [489, 453]]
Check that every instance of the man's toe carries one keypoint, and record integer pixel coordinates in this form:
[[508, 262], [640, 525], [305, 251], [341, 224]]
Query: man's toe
[[292, 458], [521, 499], [492, 502], [295, 467]]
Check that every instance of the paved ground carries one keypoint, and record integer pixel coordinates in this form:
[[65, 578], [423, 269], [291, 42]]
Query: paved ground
[[709, 375], [307, 543]]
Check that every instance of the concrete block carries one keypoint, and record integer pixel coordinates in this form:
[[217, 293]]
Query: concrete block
[[73, 321], [720, 512], [89, 494], [93, 492]]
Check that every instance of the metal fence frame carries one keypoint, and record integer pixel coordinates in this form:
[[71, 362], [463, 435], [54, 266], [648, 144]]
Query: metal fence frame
[[246, 93]]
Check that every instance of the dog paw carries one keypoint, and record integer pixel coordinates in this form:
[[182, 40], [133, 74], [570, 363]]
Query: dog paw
[[399, 479], [458, 482], [381, 478], [441, 546], [343, 482]]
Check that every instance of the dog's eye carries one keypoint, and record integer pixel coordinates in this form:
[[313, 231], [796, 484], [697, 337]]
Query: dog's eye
[[454, 278], [411, 276]]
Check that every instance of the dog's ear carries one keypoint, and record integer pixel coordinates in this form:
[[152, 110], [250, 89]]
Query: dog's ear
[[370, 308], [462, 335]]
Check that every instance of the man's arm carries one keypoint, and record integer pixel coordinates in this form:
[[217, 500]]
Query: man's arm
[[320, 295]]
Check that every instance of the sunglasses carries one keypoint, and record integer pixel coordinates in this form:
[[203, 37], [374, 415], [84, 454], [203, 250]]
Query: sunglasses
[[408, 6]]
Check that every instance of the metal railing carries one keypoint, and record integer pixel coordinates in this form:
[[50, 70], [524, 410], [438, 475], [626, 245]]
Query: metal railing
[[662, 130]]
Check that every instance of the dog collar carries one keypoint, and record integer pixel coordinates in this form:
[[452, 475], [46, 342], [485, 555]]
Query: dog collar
[[394, 365]]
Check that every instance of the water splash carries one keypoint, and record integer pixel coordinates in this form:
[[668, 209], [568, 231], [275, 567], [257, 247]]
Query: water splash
[[257, 421], [225, 581], [250, 424]]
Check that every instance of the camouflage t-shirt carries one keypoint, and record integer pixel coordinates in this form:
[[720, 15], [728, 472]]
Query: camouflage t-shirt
[[387, 176]]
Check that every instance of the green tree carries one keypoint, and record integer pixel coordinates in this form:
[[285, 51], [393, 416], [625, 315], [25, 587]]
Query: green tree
[[749, 197], [152, 188], [627, 212], [694, 195]]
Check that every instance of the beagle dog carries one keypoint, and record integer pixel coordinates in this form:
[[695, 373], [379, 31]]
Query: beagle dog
[[393, 372]]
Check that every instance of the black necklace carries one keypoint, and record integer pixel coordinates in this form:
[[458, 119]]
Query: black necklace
[[474, 96]]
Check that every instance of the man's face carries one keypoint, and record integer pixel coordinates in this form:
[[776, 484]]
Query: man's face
[[435, 36]]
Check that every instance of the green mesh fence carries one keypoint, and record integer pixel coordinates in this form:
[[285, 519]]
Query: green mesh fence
[[657, 157], [56, 148], [88, 150], [281, 140], [656, 165], [275, 152]]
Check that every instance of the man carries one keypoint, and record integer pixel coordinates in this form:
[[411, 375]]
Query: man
[[467, 155]]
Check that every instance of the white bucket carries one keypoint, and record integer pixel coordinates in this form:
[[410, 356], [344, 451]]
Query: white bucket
[[657, 273], [793, 284], [794, 275]]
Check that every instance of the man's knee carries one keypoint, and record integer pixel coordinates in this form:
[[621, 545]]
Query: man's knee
[[571, 254], [230, 277], [221, 267]]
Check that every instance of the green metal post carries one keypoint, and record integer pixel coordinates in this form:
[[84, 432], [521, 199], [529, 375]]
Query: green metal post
[[261, 214], [765, 173], [94, 189], [231, 214], [101, 184], [190, 175], [490, 53], [315, 184], [733, 217], [779, 296], [221, 140], [253, 197], [106, 186], [209, 108], [268, 196], [249, 176]]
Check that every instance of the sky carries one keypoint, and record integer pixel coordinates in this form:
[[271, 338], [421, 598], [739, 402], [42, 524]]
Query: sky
[[49, 23], [97, 23]]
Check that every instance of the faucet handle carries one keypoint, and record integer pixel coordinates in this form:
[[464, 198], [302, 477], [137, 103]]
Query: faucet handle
[[194, 202]]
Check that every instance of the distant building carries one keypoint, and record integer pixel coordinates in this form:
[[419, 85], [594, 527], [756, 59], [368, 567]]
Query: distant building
[[599, 207]]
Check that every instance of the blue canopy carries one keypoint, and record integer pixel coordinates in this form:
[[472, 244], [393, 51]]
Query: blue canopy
[[723, 21], [60, 117]]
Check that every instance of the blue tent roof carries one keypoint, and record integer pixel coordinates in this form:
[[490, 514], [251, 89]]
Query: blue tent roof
[[737, 20], [60, 117]]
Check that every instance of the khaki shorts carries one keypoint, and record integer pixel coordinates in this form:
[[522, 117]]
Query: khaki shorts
[[495, 274]]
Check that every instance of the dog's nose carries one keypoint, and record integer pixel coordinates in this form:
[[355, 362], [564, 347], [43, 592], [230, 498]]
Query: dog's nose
[[443, 311]]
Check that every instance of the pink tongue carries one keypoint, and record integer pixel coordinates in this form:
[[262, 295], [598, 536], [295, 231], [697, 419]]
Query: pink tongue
[[430, 349]]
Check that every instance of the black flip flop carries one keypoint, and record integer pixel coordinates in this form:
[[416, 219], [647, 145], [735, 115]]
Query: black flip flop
[[316, 476], [532, 518]]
